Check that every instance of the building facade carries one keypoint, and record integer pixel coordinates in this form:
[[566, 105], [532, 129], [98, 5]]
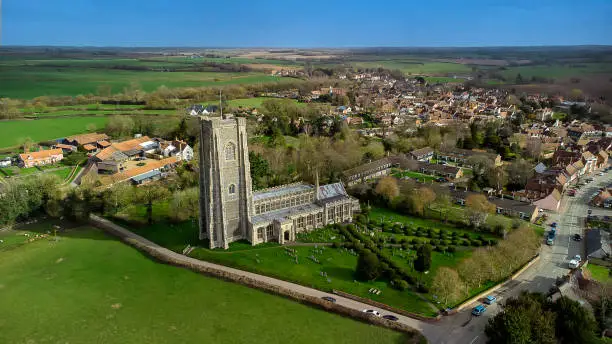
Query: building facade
[[231, 211]]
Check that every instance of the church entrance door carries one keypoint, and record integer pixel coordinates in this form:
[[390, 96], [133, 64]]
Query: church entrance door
[[287, 236]]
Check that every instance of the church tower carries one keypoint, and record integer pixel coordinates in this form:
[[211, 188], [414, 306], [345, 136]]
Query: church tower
[[225, 181]]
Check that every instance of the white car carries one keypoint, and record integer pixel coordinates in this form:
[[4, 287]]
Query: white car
[[578, 258], [372, 312], [601, 174], [573, 264]]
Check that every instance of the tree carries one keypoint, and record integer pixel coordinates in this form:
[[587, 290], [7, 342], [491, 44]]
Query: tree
[[478, 209], [387, 188], [497, 177], [447, 285], [260, 170], [518, 173], [116, 197], [523, 320], [185, 204], [148, 195], [533, 148], [368, 266], [574, 324], [422, 262]]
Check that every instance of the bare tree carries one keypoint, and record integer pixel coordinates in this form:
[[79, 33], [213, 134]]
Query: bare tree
[[478, 209], [448, 285]]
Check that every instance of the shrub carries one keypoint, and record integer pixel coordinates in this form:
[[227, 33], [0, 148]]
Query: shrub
[[465, 243], [466, 235], [456, 242], [435, 241], [441, 248], [455, 234], [400, 284], [393, 240], [408, 231], [405, 240], [416, 241], [422, 289], [446, 242], [410, 279], [336, 245], [476, 243], [452, 249], [405, 246]]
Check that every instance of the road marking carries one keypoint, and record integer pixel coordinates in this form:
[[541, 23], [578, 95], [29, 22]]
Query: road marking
[[473, 340]]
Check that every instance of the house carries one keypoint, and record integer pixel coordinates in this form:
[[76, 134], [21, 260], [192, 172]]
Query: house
[[43, 157], [508, 207], [597, 244], [513, 208], [446, 171], [178, 148], [550, 202], [5, 162], [128, 174], [146, 177], [422, 154], [371, 170], [353, 120], [199, 109], [66, 148], [83, 139]]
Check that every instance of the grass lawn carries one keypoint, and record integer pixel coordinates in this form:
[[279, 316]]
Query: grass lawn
[[88, 287], [46, 129], [599, 273], [63, 173], [415, 175], [339, 264]]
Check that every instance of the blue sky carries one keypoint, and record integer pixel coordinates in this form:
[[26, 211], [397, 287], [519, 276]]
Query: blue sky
[[312, 23]]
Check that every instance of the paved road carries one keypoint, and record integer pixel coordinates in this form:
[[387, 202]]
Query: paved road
[[463, 328]]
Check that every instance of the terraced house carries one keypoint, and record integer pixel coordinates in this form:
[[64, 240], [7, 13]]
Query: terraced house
[[231, 211], [40, 158]]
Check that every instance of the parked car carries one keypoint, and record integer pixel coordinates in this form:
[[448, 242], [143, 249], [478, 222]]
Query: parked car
[[590, 211], [479, 310], [578, 258], [390, 317], [489, 300], [329, 298], [601, 174], [576, 237], [573, 264], [372, 312], [550, 241]]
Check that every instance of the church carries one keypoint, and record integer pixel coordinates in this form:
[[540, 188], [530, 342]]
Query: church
[[229, 208]]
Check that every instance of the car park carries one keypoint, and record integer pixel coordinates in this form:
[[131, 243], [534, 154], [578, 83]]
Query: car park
[[489, 300], [390, 317], [479, 310], [372, 312], [329, 298]]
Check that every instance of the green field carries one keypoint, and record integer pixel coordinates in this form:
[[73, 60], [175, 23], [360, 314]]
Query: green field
[[416, 67], [255, 102], [46, 129], [599, 273], [556, 70], [59, 77], [90, 288]]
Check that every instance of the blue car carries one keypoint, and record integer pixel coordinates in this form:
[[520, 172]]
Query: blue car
[[489, 300], [478, 310]]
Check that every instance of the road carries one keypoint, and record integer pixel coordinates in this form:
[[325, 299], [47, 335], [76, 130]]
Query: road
[[463, 328]]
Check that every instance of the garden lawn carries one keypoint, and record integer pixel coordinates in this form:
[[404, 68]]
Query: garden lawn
[[416, 175], [599, 273], [46, 129], [339, 264], [91, 288]]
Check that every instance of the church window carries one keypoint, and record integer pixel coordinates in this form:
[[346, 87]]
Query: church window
[[232, 189], [270, 232], [300, 222], [309, 220], [320, 217], [230, 151], [260, 233]]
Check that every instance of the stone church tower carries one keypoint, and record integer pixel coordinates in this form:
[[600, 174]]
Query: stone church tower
[[225, 181]]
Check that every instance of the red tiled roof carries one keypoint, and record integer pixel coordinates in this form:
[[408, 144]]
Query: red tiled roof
[[40, 154], [89, 147]]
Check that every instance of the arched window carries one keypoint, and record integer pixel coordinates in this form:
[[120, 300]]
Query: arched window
[[230, 151], [232, 189]]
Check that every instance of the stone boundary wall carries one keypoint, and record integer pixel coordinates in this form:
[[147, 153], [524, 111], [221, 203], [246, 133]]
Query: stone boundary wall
[[233, 275], [495, 287], [387, 307]]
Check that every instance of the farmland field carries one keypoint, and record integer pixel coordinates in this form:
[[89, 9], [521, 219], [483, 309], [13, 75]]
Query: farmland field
[[98, 289], [56, 77], [46, 129], [416, 67], [255, 102]]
